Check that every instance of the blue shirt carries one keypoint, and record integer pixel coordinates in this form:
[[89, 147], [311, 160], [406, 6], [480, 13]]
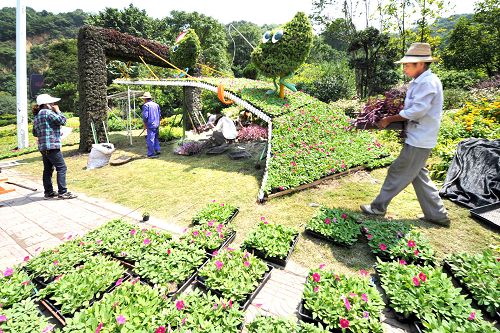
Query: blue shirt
[[424, 109], [151, 114], [47, 128]]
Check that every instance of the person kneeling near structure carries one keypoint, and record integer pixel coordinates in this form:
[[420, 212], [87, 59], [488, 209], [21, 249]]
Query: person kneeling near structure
[[423, 109], [224, 129]]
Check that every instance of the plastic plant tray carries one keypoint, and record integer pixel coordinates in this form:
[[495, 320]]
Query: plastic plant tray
[[227, 221], [326, 238], [226, 242], [275, 261], [489, 214]]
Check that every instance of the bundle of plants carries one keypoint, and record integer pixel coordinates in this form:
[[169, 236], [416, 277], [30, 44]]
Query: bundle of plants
[[203, 313], [209, 236], [268, 324], [383, 235], [233, 273], [270, 241], [479, 273], [217, 212], [54, 262], [23, 317], [334, 225], [426, 294], [343, 302], [170, 266], [380, 107], [84, 285], [252, 132], [189, 148], [15, 286], [131, 307]]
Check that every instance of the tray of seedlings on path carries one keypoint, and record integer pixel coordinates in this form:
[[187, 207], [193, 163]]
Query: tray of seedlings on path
[[209, 236], [269, 324], [24, 317], [272, 242], [15, 286], [334, 226], [217, 212]]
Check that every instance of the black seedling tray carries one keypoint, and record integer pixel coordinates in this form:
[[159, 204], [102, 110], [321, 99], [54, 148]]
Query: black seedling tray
[[489, 214], [275, 261], [41, 282], [326, 238], [229, 239], [306, 316], [227, 221], [250, 297]]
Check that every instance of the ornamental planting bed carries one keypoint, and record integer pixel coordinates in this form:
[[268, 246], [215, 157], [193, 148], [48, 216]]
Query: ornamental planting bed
[[427, 295], [341, 302], [335, 226], [478, 275], [15, 286], [268, 324], [209, 236], [272, 242], [217, 213], [23, 317], [234, 274]]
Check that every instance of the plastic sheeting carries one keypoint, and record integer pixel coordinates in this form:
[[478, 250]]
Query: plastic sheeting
[[473, 178]]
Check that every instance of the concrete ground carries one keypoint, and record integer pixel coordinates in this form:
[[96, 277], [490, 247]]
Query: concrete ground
[[30, 224]]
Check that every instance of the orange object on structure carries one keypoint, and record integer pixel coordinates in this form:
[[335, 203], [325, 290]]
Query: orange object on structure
[[2, 190], [220, 94]]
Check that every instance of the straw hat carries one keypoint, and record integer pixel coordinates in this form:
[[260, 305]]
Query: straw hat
[[418, 52], [147, 95], [46, 99]]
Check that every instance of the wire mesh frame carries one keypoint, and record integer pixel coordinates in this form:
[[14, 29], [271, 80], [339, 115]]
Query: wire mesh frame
[[126, 103]]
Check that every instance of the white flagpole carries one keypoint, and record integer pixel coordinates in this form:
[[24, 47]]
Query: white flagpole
[[21, 76]]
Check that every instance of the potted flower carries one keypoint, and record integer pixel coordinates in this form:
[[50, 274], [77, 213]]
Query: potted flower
[[383, 235], [210, 236], [235, 275], [145, 216], [342, 302], [23, 317], [334, 225], [15, 285], [271, 242], [218, 212]]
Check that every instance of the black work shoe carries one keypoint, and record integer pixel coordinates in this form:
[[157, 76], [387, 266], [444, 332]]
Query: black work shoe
[[153, 156], [50, 196], [157, 153], [67, 195]]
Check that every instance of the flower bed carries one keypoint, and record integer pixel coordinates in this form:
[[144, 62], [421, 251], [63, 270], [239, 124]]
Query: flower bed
[[171, 266], [209, 236], [427, 294], [51, 263], [413, 248], [479, 274], [131, 307], [271, 242], [342, 302], [23, 317], [82, 286], [335, 226], [204, 313], [234, 274], [268, 324], [216, 212], [383, 235], [15, 286]]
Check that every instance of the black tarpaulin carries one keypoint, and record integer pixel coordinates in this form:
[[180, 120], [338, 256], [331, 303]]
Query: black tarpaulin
[[473, 178]]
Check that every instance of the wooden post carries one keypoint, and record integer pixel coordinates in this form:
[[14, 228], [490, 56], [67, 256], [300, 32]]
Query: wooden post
[[282, 91]]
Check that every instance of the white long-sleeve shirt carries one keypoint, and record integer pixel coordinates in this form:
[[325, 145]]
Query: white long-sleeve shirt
[[424, 109], [227, 127]]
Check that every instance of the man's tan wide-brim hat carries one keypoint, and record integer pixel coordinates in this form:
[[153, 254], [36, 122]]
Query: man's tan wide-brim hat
[[418, 52], [146, 95]]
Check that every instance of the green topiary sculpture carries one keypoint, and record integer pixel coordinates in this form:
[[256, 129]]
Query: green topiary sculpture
[[187, 50]]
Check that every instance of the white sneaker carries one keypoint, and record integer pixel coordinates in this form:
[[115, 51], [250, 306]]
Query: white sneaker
[[368, 209]]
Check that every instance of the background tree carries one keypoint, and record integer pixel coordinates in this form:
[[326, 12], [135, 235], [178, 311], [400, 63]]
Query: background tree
[[239, 50]]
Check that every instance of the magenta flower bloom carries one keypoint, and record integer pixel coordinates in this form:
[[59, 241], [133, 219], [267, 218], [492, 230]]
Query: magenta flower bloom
[[26, 258], [316, 289], [25, 283], [347, 304], [208, 233], [146, 241], [3, 318], [48, 328], [383, 247], [262, 218], [402, 262], [133, 232], [230, 249], [169, 251], [247, 254], [179, 305], [328, 221], [99, 327], [416, 281], [8, 272], [121, 320], [99, 242], [344, 216], [230, 304], [246, 263], [222, 205], [56, 262], [344, 323], [219, 264], [366, 314], [195, 233], [161, 329], [216, 306], [422, 276], [265, 222], [416, 253], [119, 282], [369, 236], [211, 223], [215, 253], [321, 266], [472, 315], [411, 244], [316, 277]]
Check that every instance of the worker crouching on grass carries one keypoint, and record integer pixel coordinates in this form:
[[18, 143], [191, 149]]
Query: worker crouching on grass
[[224, 129], [151, 115], [47, 129], [423, 109]]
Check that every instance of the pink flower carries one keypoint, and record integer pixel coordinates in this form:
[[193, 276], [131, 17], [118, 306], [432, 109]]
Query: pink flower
[[161, 329], [344, 323], [133, 232], [246, 255], [99, 327], [316, 289], [344, 216], [422, 276], [216, 306], [169, 251], [58, 277], [265, 222], [472, 315], [366, 314], [402, 262], [262, 218], [195, 233], [416, 253], [3, 318], [364, 298], [327, 220], [416, 281], [179, 305], [222, 205], [383, 247], [293, 163], [8, 272], [121, 320], [369, 236], [230, 304], [230, 249], [48, 328], [99, 242], [321, 266], [213, 200], [25, 283], [215, 253], [56, 262], [146, 241], [363, 272], [219, 264], [411, 243], [208, 233], [211, 223], [316, 277], [26, 258], [347, 304], [119, 282], [246, 263]]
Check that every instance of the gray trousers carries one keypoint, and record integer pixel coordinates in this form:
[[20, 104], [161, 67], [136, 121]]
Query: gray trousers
[[408, 168]]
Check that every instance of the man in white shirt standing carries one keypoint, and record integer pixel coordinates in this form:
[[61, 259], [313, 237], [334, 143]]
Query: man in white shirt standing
[[423, 110]]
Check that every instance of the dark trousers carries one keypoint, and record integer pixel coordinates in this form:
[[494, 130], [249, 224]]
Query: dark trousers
[[152, 141], [53, 158]]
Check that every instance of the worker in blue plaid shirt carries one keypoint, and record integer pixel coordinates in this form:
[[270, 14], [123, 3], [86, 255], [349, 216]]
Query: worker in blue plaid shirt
[[47, 129]]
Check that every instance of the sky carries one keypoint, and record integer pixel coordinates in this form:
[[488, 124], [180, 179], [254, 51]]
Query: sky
[[257, 11]]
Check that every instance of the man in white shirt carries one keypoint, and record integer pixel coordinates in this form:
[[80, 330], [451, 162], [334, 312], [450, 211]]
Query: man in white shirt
[[423, 110], [224, 129]]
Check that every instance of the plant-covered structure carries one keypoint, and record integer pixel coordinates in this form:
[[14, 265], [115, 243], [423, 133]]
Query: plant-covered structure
[[187, 50]]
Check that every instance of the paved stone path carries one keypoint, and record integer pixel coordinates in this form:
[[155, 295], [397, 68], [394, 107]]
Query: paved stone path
[[29, 224]]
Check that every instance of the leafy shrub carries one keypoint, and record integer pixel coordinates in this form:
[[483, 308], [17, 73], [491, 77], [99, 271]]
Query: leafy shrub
[[216, 212], [24, 317], [8, 119], [7, 105], [116, 124], [170, 133], [250, 71], [15, 285], [175, 121], [188, 51], [458, 79], [328, 89], [454, 98], [492, 82], [274, 240], [252, 133], [350, 106], [377, 108]]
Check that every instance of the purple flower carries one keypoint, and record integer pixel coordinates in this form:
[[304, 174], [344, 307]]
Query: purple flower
[[246, 263], [133, 232], [364, 297], [8, 272], [3, 318], [219, 264], [119, 282], [146, 241], [366, 314], [195, 233], [121, 320]]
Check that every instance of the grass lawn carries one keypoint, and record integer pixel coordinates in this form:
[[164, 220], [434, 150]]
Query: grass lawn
[[175, 187]]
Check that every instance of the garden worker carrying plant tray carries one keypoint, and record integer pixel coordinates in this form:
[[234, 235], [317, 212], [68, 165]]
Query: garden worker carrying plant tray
[[423, 109]]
